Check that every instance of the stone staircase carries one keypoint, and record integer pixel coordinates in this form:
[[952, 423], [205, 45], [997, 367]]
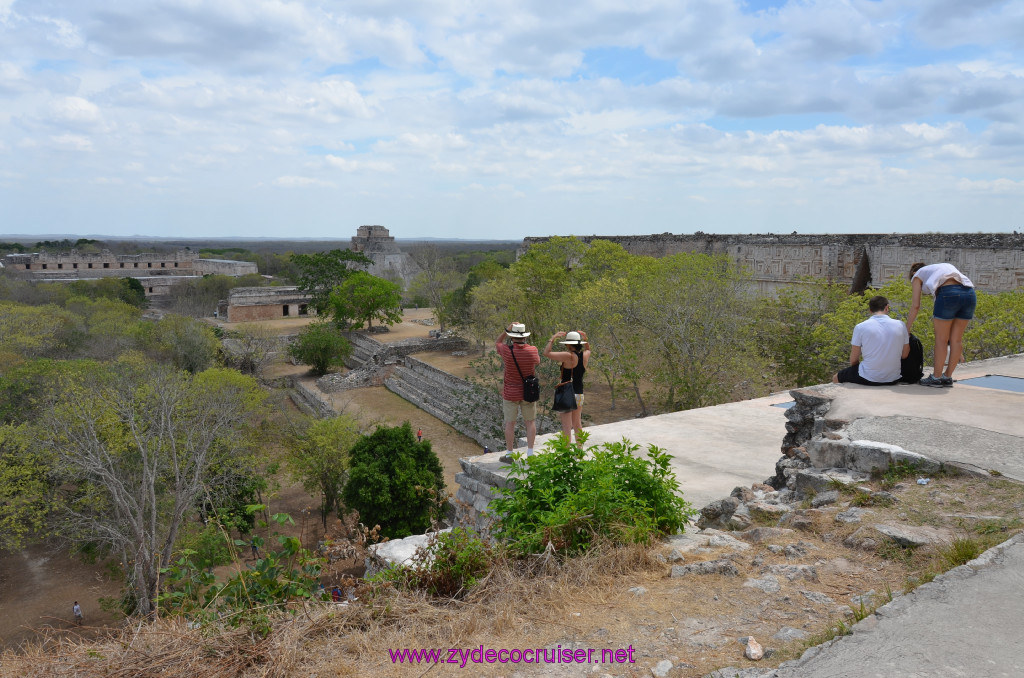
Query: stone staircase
[[472, 411]]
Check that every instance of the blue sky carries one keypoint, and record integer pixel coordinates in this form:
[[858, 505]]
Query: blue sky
[[448, 118]]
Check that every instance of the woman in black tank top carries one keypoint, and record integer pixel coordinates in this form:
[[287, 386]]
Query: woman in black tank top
[[574, 363]]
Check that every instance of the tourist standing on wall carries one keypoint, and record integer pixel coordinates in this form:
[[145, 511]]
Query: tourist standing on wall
[[955, 300], [574, 364], [520, 360], [876, 348]]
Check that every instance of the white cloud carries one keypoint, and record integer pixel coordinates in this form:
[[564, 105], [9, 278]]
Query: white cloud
[[347, 165], [76, 111], [994, 186], [301, 182], [669, 107], [72, 142]]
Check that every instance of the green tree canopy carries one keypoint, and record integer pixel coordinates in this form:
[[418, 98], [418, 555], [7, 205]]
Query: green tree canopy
[[319, 458], [395, 482], [39, 331], [320, 273], [26, 494], [362, 298], [133, 447], [320, 346]]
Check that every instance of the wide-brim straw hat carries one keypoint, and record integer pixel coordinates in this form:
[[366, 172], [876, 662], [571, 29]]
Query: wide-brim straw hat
[[572, 338], [518, 330]]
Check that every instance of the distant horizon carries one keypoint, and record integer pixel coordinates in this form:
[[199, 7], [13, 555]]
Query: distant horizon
[[216, 238]]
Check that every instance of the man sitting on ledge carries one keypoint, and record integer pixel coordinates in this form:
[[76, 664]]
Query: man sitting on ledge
[[878, 344]]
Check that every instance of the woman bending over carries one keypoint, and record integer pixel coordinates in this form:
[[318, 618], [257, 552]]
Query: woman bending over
[[955, 300]]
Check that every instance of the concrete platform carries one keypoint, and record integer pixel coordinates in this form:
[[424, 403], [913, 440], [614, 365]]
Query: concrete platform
[[983, 427], [714, 449], [965, 623]]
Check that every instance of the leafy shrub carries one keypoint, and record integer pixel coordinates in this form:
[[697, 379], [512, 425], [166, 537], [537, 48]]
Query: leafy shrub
[[280, 576], [209, 546], [320, 346], [395, 481], [449, 565], [569, 496]]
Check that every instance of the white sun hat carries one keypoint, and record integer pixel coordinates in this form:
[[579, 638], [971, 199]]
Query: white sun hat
[[572, 338], [518, 330]]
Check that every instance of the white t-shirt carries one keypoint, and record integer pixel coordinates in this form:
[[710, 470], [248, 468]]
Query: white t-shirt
[[934, 275], [881, 340]]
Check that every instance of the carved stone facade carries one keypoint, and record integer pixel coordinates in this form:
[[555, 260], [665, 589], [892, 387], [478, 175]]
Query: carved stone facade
[[993, 261], [156, 272], [389, 261], [246, 304]]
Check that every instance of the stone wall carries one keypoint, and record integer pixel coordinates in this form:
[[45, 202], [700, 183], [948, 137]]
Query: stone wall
[[224, 267], [102, 264], [993, 261], [815, 443], [368, 351], [156, 272], [246, 304], [479, 482], [308, 399], [159, 286], [470, 409]]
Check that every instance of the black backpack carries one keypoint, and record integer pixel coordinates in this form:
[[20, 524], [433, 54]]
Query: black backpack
[[531, 384], [912, 367]]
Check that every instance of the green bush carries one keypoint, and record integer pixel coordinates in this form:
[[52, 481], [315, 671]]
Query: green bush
[[209, 546], [569, 496], [320, 346], [279, 576], [395, 482], [449, 565]]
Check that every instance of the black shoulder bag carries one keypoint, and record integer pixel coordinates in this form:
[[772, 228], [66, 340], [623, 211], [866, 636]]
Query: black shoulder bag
[[531, 384]]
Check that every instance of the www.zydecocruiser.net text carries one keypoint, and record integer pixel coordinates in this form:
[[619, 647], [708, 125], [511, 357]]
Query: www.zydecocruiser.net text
[[463, 656]]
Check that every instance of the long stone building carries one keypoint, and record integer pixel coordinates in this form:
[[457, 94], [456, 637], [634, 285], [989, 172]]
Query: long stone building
[[156, 272], [993, 261], [246, 304]]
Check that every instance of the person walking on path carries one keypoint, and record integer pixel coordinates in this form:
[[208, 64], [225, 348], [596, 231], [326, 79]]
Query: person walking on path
[[574, 364], [76, 609], [955, 300], [877, 346], [520, 360], [419, 435]]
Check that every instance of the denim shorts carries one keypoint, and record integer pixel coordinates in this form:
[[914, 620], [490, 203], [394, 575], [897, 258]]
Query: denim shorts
[[954, 301]]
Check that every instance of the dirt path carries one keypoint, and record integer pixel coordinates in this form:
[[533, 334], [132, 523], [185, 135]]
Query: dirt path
[[39, 585]]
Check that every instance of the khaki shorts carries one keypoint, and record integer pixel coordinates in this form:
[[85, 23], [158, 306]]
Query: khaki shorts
[[511, 409]]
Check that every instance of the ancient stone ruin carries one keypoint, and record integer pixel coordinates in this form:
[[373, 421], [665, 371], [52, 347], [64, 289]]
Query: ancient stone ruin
[[993, 261], [156, 272], [389, 261]]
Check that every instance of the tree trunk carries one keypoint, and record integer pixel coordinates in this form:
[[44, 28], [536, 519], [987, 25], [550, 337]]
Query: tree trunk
[[611, 386], [639, 399]]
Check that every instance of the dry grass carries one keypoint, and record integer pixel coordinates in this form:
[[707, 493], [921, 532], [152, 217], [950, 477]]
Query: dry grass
[[519, 602]]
